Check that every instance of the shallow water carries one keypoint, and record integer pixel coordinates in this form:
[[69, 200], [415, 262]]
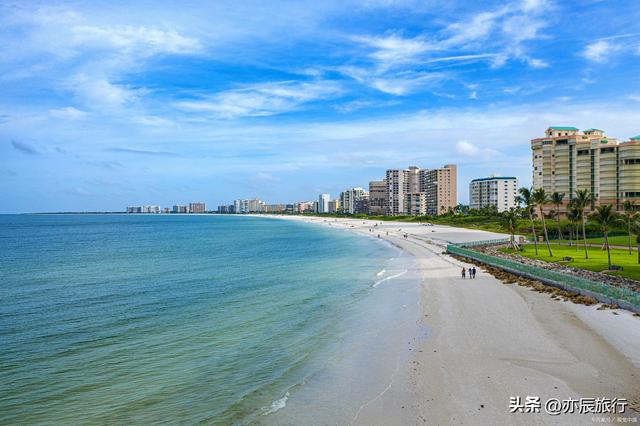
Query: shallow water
[[214, 319]]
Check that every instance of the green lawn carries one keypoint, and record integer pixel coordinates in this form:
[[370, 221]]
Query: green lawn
[[618, 240], [597, 258]]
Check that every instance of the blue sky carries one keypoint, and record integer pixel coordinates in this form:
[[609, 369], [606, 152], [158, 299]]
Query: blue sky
[[107, 104]]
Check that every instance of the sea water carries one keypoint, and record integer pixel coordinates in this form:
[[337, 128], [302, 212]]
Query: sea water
[[197, 319]]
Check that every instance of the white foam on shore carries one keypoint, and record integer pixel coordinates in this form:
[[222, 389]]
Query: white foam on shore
[[381, 272], [377, 283], [278, 404]]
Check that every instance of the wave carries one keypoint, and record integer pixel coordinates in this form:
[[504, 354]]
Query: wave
[[381, 272], [377, 283], [277, 404]]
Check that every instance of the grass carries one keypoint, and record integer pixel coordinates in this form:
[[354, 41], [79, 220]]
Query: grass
[[618, 240], [597, 258]]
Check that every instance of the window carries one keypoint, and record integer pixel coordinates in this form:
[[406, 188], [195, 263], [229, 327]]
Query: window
[[606, 150], [583, 152], [546, 142], [632, 161]]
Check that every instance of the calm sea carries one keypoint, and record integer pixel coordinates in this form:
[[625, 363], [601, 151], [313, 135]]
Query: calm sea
[[190, 319]]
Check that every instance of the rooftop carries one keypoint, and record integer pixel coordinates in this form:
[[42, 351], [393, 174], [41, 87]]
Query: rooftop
[[594, 130], [636, 138], [494, 178], [563, 128]]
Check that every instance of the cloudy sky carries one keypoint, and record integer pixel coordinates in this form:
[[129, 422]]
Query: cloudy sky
[[106, 104]]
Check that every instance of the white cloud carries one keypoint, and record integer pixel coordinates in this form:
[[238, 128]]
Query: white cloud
[[534, 5], [403, 85], [599, 51], [393, 49], [143, 40], [68, 113], [466, 148], [537, 63], [477, 28], [264, 99], [99, 92]]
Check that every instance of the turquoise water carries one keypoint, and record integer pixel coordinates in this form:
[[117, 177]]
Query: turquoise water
[[189, 319]]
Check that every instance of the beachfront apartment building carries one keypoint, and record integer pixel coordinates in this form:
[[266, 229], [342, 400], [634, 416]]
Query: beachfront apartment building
[[323, 203], [350, 200], [247, 206], [415, 191], [274, 208], [334, 206], [499, 192], [197, 208], [378, 197], [567, 159], [306, 207]]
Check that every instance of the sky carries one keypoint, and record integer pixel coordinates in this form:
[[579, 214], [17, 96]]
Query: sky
[[105, 104]]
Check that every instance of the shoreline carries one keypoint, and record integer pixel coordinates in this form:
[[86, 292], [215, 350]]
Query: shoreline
[[493, 341]]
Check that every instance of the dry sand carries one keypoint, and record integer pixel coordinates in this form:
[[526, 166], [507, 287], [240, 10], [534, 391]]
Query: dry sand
[[490, 341]]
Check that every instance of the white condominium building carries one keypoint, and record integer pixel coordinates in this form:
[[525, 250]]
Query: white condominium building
[[323, 203], [350, 198], [494, 191]]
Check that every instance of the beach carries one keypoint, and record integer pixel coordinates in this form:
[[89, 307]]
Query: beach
[[489, 342]]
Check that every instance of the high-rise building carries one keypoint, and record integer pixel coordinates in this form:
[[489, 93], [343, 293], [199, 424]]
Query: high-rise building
[[415, 191], [305, 207], [248, 206], [416, 204], [180, 209], [274, 208], [400, 183], [567, 159], [197, 208], [378, 197], [349, 199], [494, 191], [323, 203], [334, 206], [440, 186]]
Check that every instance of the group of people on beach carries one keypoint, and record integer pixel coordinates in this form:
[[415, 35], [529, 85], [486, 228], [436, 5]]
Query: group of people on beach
[[472, 272]]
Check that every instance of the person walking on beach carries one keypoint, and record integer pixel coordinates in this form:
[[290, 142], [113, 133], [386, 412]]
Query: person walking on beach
[[474, 272], [464, 273], [470, 273]]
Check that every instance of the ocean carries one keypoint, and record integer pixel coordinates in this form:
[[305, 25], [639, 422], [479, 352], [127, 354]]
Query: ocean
[[196, 319]]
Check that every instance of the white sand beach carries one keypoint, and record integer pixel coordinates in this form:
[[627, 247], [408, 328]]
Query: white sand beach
[[491, 341]]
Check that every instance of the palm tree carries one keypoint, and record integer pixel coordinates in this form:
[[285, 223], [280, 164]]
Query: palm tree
[[605, 216], [540, 198], [582, 200], [573, 214], [635, 228], [510, 223], [630, 214], [556, 199], [529, 206]]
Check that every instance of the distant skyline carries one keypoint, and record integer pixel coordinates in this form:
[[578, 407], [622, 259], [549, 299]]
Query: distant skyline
[[109, 104]]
